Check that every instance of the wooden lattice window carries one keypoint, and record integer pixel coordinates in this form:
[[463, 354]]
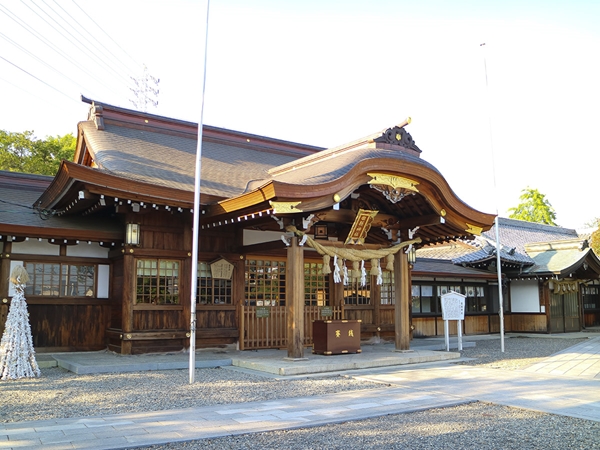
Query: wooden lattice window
[[316, 285], [157, 281], [212, 291], [265, 282], [356, 294], [387, 288], [591, 297], [61, 280]]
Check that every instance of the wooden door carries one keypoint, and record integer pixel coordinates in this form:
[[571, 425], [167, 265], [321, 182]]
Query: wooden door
[[564, 313]]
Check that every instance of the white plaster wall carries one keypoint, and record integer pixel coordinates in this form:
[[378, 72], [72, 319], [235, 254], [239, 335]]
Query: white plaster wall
[[525, 296], [35, 247], [258, 237], [103, 280], [85, 250]]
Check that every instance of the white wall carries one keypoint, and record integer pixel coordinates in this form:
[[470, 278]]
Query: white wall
[[35, 247], [85, 250], [258, 237], [525, 296], [103, 280]]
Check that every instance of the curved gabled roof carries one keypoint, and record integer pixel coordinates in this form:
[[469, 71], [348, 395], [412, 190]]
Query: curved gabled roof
[[411, 189], [142, 158]]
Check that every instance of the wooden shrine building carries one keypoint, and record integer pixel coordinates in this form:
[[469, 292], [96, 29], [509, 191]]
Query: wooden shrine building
[[289, 233]]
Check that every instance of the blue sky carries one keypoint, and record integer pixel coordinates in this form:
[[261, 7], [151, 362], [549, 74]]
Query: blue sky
[[329, 72]]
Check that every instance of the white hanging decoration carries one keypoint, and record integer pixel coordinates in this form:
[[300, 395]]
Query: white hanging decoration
[[345, 274], [336, 270], [379, 275], [363, 274], [17, 356]]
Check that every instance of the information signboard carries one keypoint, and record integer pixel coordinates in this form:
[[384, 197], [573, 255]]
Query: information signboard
[[453, 308]]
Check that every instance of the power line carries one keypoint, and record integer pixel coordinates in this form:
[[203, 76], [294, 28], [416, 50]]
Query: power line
[[76, 42], [38, 59], [107, 35], [99, 48], [69, 59], [45, 41], [40, 80]]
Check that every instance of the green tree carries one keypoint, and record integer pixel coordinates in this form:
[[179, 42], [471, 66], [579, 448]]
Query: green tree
[[534, 207], [594, 239], [23, 152]]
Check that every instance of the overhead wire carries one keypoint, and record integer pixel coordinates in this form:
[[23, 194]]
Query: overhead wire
[[2, 35], [107, 35], [103, 50], [76, 64], [39, 79], [77, 42], [45, 41], [100, 56]]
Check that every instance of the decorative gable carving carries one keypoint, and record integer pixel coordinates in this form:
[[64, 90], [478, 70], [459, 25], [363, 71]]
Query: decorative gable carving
[[398, 136]]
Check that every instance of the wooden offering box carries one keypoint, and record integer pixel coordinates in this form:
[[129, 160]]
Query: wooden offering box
[[335, 337]]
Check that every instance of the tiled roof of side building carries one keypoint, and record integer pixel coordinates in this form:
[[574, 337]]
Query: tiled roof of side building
[[514, 235], [23, 190], [439, 267], [517, 233]]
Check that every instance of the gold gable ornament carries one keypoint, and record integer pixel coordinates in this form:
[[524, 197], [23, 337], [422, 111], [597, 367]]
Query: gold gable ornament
[[393, 187], [473, 229], [285, 207]]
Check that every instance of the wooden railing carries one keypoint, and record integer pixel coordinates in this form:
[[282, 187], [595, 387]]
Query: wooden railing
[[271, 332]]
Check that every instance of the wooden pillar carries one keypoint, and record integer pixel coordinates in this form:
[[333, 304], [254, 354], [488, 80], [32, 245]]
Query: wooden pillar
[[4, 284], [129, 281], [376, 302], [294, 300], [402, 296]]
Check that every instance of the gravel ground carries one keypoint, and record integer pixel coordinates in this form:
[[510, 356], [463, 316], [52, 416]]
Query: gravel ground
[[62, 394], [476, 426]]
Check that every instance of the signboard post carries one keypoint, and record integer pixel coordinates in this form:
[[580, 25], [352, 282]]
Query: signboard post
[[453, 308]]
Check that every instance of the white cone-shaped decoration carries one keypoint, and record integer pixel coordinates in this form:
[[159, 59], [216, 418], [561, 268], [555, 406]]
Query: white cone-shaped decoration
[[17, 356]]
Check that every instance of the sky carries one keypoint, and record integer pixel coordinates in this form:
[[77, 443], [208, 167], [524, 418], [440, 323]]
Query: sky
[[518, 112]]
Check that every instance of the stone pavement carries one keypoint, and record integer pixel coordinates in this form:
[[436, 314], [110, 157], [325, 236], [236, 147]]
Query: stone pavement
[[567, 383], [271, 361], [407, 388], [581, 360]]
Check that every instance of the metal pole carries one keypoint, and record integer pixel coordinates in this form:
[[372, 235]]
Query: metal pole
[[197, 213], [497, 222], [500, 298]]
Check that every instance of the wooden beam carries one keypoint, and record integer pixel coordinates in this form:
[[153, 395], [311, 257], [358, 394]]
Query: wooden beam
[[381, 220]]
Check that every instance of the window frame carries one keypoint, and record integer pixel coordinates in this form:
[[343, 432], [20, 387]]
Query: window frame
[[215, 285], [30, 286], [157, 301]]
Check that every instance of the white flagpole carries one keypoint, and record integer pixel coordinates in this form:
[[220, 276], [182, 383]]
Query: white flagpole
[[497, 221], [197, 213]]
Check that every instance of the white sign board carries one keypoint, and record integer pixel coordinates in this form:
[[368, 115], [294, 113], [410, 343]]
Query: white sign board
[[453, 306]]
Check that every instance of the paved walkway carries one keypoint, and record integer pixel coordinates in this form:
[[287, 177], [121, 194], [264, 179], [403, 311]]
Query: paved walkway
[[412, 388]]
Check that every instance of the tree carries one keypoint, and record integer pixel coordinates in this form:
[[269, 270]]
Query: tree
[[534, 207], [594, 239], [23, 152]]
